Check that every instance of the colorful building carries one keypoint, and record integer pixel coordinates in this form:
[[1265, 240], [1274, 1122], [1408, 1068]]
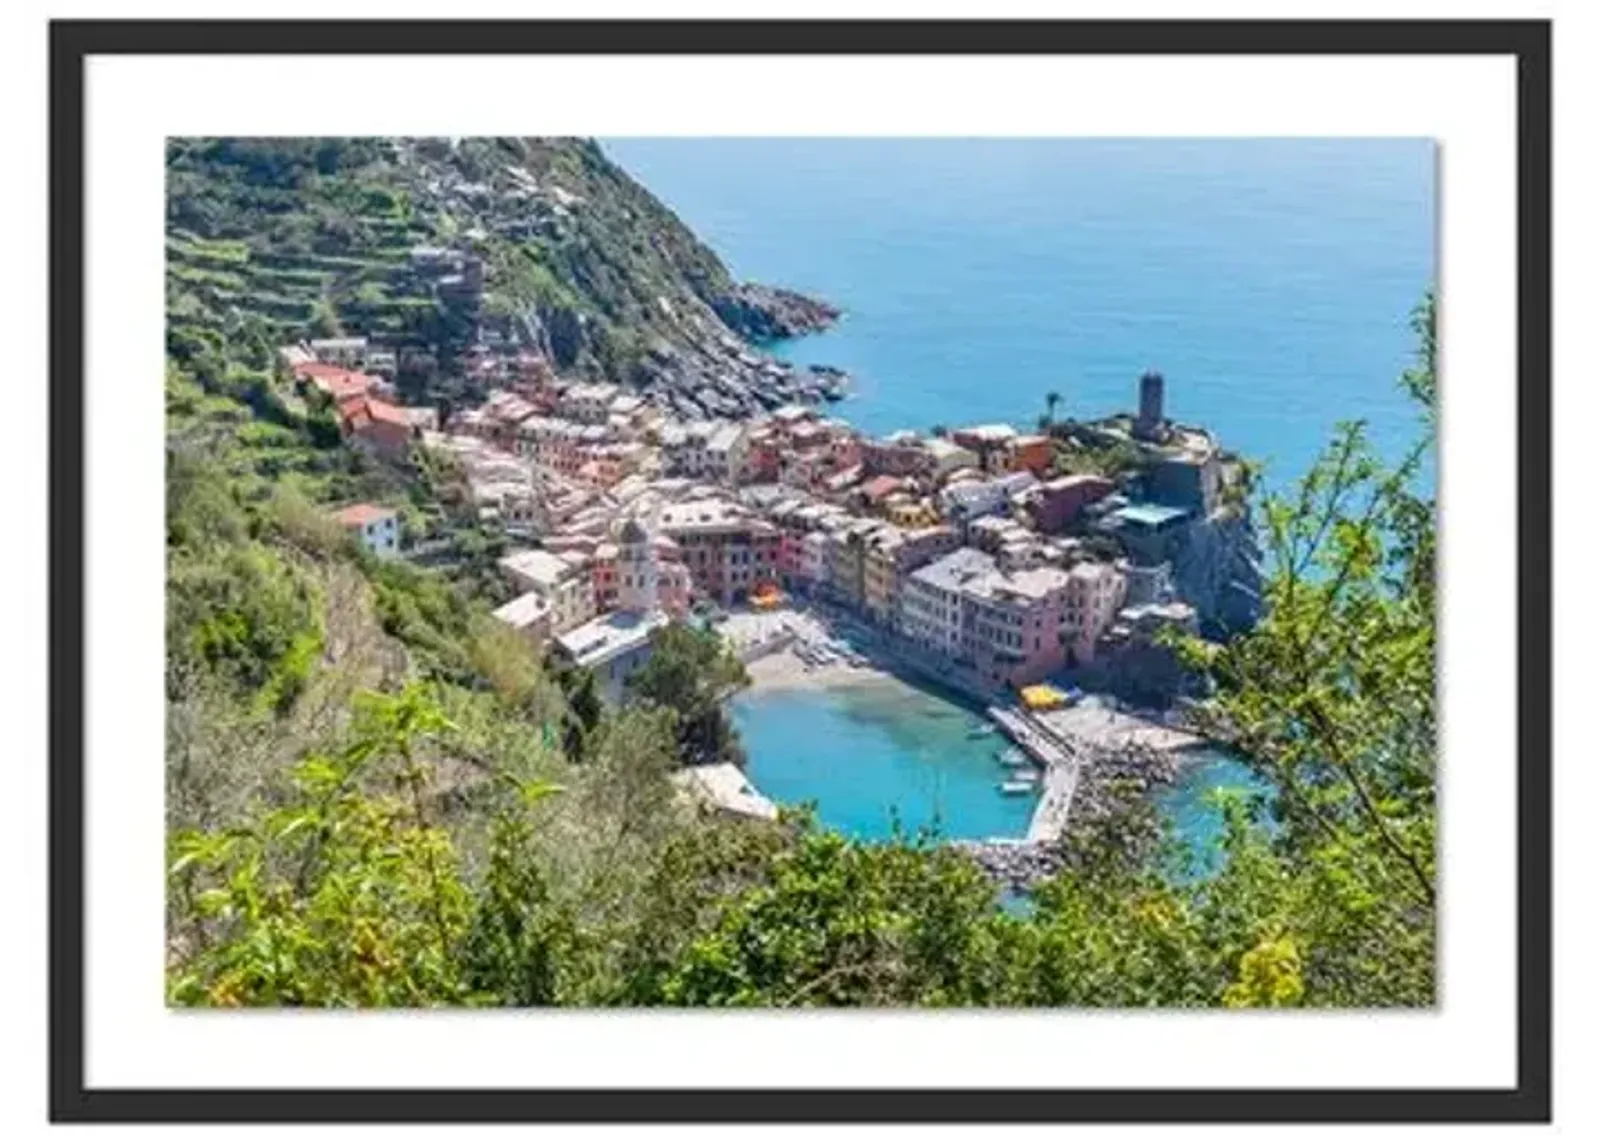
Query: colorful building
[[726, 549], [1095, 593], [375, 529], [892, 554], [377, 426], [1005, 627], [564, 583], [1030, 453], [1056, 504]]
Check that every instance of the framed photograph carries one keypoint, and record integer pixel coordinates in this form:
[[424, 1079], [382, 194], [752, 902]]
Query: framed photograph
[[800, 571]]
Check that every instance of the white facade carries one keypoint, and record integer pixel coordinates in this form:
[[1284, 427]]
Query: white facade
[[813, 565], [375, 529], [588, 403], [565, 585], [725, 452], [638, 572], [612, 647], [947, 457]]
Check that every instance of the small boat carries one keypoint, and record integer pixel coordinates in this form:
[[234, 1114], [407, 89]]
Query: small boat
[[1011, 756], [980, 731], [1016, 787]]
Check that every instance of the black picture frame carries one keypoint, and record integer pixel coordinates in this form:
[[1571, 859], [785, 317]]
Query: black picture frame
[[72, 42]]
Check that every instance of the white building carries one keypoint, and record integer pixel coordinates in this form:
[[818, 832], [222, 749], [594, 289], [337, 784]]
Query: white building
[[966, 502], [528, 615], [931, 601], [947, 456], [345, 351], [725, 452], [612, 647], [683, 449], [812, 566], [564, 584], [376, 529]]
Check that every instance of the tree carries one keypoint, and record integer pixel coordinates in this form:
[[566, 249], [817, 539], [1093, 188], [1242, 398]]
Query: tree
[[691, 673], [584, 711], [325, 319], [1332, 698], [337, 898]]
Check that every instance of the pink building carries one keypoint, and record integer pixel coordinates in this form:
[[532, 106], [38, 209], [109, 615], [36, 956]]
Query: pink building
[[791, 555], [1002, 627], [728, 551], [603, 570], [1095, 593]]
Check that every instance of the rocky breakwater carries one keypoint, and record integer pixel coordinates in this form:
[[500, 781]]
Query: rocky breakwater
[[1015, 865], [1112, 782], [1115, 778]]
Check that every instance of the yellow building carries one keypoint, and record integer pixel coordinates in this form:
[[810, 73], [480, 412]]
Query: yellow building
[[905, 511], [879, 574]]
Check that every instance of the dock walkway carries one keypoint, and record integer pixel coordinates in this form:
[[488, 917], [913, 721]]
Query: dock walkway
[[1060, 765]]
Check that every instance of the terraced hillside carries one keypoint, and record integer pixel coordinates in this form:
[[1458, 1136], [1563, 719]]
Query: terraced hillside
[[279, 239]]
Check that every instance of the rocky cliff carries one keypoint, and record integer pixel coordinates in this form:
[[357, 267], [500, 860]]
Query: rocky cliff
[[1216, 567]]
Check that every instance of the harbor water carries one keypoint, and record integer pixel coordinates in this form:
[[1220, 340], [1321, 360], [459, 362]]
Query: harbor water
[[879, 754]]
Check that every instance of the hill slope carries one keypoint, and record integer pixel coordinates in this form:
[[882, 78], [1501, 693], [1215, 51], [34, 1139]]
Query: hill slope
[[445, 248]]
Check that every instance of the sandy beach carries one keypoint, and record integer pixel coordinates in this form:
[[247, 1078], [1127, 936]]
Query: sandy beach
[[784, 670], [767, 641]]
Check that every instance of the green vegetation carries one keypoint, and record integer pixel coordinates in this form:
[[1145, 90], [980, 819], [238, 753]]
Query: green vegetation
[[299, 238], [377, 796], [692, 673], [1078, 453]]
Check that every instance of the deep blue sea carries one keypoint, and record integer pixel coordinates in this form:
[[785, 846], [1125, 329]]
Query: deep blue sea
[[1270, 281]]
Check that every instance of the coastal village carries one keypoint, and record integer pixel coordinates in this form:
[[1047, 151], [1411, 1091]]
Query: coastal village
[[964, 556], [543, 616]]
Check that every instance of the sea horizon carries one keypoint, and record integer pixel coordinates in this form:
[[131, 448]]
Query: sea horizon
[[1270, 280]]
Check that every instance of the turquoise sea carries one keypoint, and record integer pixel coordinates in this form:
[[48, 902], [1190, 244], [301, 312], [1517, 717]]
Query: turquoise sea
[[880, 755], [1269, 280]]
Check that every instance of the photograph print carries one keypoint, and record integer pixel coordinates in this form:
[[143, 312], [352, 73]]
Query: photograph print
[[874, 572]]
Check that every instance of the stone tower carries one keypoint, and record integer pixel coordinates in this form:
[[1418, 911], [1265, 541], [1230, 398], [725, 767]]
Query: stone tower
[[637, 572], [1152, 393]]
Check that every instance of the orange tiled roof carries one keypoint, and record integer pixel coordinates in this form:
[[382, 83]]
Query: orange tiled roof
[[360, 515]]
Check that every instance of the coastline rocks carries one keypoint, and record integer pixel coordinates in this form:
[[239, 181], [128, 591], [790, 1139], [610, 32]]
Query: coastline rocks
[[1016, 865], [1113, 779], [1112, 783], [703, 379], [764, 314]]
